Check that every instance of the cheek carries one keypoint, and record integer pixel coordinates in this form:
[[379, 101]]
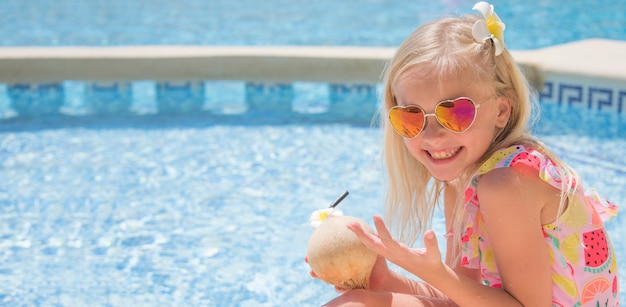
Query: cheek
[[409, 143], [413, 146], [486, 123]]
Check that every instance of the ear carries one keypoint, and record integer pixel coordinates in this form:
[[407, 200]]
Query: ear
[[504, 111]]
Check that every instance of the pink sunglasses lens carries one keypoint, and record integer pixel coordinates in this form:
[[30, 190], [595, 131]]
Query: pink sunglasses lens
[[456, 115]]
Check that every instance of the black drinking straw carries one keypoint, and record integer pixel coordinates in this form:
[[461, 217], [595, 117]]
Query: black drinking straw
[[339, 199]]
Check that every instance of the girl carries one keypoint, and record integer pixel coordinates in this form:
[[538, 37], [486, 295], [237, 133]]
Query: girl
[[521, 231]]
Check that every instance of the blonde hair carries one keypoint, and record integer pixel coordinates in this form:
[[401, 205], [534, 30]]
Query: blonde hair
[[441, 49]]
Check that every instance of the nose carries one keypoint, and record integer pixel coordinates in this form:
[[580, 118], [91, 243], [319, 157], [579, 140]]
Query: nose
[[432, 127]]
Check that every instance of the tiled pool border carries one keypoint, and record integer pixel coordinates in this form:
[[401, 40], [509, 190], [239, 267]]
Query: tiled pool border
[[589, 74]]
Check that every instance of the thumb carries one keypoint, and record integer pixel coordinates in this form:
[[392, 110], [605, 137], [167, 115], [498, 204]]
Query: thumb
[[430, 241]]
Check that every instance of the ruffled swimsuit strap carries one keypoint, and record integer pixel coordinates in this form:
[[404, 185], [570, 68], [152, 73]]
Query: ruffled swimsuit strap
[[548, 172], [514, 155]]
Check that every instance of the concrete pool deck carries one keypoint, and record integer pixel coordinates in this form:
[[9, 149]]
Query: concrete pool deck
[[593, 58], [588, 72]]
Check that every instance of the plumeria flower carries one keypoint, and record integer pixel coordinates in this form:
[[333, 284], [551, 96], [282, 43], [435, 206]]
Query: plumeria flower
[[489, 28], [318, 216]]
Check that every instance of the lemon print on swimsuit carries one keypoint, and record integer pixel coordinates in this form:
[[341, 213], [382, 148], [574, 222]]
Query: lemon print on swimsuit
[[495, 159], [570, 247], [565, 284], [575, 216], [335, 253]]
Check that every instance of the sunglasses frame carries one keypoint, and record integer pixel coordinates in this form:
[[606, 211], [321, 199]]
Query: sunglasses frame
[[476, 106]]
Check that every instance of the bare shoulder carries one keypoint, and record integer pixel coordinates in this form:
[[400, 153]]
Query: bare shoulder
[[518, 188]]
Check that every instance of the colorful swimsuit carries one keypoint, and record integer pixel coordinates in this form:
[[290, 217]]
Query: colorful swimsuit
[[584, 268]]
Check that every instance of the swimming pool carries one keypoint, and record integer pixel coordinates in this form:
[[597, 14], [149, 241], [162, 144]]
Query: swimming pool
[[531, 24], [210, 209]]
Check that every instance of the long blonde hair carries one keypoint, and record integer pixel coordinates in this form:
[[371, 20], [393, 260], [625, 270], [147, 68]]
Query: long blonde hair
[[441, 49]]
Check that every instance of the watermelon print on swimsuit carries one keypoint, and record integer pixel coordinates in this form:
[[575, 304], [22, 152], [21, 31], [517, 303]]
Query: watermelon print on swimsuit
[[596, 250]]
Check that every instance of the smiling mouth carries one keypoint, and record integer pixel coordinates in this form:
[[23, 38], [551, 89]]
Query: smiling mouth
[[442, 155]]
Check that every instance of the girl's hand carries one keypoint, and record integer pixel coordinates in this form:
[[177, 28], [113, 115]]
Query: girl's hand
[[422, 262], [377, 277], [339, 290]]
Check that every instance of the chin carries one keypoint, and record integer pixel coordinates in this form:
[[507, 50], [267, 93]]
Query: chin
[[445, 169], [445, 176]]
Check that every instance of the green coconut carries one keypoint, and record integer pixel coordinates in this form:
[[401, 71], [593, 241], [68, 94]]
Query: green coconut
[[337, 256]]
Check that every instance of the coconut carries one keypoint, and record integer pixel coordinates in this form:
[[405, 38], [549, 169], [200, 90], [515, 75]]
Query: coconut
[[337, 256]]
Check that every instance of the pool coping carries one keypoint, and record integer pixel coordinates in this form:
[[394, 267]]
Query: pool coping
[[589, 73], [599, 58], [254, 63]]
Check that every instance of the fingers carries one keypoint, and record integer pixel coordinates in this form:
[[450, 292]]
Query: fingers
[[430, 242], [370, 240], [360, 232], [306, 259], [381, 243], [430, 239], [356, 228], [385, 236], [382, 230]]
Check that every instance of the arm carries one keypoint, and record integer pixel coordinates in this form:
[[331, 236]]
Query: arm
[[450, 196], [395, 282], [511, 203], [426, 263]]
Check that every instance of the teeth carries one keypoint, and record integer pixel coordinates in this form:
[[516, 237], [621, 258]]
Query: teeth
[[443, 154]]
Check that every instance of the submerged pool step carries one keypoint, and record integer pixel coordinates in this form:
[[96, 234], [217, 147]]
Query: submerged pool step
[[347, 101], [107, 97], [43, 98], [179, 97]]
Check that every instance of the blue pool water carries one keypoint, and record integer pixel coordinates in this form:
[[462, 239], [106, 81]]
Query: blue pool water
[[530, 24], [188, 211], [211, 209]]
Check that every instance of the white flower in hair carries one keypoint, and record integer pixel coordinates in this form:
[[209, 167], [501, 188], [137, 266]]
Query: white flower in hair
[[489, 28]]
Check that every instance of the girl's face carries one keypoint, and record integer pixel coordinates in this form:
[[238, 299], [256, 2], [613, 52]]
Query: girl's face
[[444, 153]]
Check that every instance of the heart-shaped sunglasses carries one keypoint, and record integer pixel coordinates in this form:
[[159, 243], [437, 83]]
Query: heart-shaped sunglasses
[[456, 115]]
